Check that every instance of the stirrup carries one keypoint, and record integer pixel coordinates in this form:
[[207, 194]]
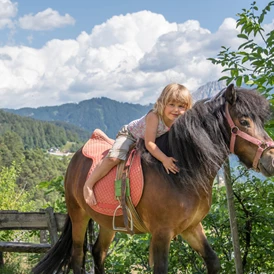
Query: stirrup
[[117, 228]]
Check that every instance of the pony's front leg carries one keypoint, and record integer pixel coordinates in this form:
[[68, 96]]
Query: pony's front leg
[[159, 250], [100, 248], [196, 238]]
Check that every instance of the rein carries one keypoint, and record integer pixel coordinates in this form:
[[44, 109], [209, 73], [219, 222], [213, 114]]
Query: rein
[[235, 131]]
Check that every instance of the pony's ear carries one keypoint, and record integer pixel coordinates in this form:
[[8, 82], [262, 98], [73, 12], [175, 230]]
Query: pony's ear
[[230, 94]]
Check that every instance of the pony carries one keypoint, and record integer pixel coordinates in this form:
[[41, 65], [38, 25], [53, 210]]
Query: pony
[[200, 140]]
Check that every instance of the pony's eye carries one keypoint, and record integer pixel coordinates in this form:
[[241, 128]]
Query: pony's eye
[[244, 123]]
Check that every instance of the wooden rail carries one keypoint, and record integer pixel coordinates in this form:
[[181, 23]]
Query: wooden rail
[[44, 221]]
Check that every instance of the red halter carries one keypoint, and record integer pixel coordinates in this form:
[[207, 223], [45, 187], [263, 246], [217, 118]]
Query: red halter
[[262, 145]]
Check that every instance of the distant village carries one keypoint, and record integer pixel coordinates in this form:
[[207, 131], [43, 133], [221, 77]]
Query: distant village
[[57, 152]]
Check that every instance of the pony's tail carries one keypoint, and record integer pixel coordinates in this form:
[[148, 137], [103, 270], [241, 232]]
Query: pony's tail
[[58, 257], [90, 235]]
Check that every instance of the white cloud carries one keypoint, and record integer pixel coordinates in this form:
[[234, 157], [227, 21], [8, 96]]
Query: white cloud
[[5, 22], [128, 58], [141, 28], [8, 10], [45, 20]]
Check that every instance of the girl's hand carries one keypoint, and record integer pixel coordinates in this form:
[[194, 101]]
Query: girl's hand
[[169, 165]]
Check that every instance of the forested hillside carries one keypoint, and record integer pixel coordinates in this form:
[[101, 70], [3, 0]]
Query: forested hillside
[[106, 114], [23, 145], [40, 134]]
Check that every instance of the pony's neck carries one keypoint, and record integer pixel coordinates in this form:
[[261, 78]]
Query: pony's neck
[[199, 141]]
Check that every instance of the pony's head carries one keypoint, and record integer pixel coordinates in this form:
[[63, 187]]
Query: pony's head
[[246, 113]]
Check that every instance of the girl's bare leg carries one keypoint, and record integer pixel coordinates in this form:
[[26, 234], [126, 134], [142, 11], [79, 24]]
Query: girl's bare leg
[[98, 173]]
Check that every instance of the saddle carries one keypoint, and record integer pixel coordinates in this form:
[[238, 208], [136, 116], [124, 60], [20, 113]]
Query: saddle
[[105, 192]]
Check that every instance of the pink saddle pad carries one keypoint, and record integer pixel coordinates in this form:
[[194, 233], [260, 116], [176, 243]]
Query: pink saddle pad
[[97, 148]]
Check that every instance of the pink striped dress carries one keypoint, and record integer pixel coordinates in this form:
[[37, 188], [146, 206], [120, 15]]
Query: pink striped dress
[[137, 128]]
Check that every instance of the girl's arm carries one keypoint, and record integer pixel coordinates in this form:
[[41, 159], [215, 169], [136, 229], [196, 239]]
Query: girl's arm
[[152, 122]]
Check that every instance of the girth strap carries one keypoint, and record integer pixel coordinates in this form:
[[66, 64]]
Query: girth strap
[[130, 216], [123, 200]]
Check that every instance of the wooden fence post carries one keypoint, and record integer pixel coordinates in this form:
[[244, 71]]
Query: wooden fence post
[[52, 225], [232, 218], [43, 233]]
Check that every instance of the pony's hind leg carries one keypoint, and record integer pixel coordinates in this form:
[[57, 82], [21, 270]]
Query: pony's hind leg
[[100, 249], [198, 241], [80, 221]]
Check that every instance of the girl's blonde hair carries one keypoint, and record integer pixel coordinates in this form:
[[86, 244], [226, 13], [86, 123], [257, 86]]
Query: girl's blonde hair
[[172, 93]]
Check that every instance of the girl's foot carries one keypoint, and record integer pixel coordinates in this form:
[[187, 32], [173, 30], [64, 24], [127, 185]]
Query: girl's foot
[[89, 196]]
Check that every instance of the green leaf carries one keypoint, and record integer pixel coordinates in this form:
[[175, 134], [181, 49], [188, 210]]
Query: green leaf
[[261, 19], [250, 82], [227, 69], [239, 81], [223, 78], [242, 36], [257, 63], [244, 44], [246, 58]]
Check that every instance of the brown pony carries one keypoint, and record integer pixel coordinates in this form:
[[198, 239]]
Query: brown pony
[[200, 141]]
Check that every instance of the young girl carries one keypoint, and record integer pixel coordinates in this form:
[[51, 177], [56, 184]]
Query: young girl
[[174, 100]]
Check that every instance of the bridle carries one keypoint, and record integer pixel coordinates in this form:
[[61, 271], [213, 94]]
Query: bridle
[[235, 131]]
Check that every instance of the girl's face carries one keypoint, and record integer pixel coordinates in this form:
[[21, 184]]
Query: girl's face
[[172, 111]]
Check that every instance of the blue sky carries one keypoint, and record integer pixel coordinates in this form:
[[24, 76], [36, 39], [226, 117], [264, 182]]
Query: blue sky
[[53, 52], [88, 13]]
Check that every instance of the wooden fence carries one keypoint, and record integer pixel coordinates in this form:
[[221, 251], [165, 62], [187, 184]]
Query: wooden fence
[[44, 221]]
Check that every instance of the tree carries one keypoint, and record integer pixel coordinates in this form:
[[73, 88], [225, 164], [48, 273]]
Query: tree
[[252, 63], [11, 195], [11, 148]]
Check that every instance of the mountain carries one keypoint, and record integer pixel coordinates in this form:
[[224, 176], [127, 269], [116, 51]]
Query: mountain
[[208, 90], [106, 114], [103, 113]]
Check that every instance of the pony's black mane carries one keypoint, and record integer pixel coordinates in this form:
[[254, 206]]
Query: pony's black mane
[[199, 139]]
